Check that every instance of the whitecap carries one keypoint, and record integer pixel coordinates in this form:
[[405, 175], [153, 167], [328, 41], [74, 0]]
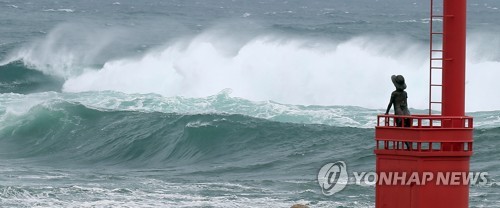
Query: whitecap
[[59, 10]]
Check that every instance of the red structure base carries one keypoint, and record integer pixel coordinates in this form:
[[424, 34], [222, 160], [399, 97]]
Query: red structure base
[[429, 146], [417, 195]]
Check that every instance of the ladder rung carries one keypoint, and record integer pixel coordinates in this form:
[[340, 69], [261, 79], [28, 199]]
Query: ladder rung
[[435, 15]]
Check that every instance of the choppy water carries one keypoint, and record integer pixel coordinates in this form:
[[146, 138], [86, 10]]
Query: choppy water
[[216, 103]]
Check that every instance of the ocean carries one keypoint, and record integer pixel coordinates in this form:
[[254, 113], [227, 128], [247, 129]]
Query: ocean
[[218, 103]]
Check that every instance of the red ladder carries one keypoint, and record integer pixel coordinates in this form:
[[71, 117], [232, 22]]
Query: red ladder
[[436, 56]]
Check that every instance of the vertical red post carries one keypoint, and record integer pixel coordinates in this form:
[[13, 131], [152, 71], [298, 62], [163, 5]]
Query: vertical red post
[[454, 42], [454, 38]]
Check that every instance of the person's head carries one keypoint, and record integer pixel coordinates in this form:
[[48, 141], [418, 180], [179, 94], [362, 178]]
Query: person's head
[[399, 82]]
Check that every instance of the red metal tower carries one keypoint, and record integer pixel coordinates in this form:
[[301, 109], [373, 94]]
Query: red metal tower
[[437, 144]]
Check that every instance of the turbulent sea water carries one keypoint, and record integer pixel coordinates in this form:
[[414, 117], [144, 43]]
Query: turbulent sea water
[[217, 103]]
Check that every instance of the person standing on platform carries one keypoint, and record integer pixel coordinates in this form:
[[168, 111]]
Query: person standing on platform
[[399, 99]]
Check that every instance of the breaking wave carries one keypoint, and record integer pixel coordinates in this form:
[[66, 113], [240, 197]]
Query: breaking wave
[[262, 67]]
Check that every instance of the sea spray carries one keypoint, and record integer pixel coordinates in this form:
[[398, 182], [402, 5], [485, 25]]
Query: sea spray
[[265, 67], [288, 71]]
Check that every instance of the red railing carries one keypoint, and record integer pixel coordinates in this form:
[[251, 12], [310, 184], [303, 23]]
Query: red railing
[[426, 121], [424, 134]]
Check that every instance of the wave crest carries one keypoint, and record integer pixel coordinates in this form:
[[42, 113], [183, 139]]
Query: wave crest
[[76, 133], [286, 71], [264, 66]]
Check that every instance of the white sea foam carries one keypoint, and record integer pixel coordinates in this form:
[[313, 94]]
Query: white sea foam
[[66, 50], [355, 72], [157, 194], [14, 105], [59, 10]]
